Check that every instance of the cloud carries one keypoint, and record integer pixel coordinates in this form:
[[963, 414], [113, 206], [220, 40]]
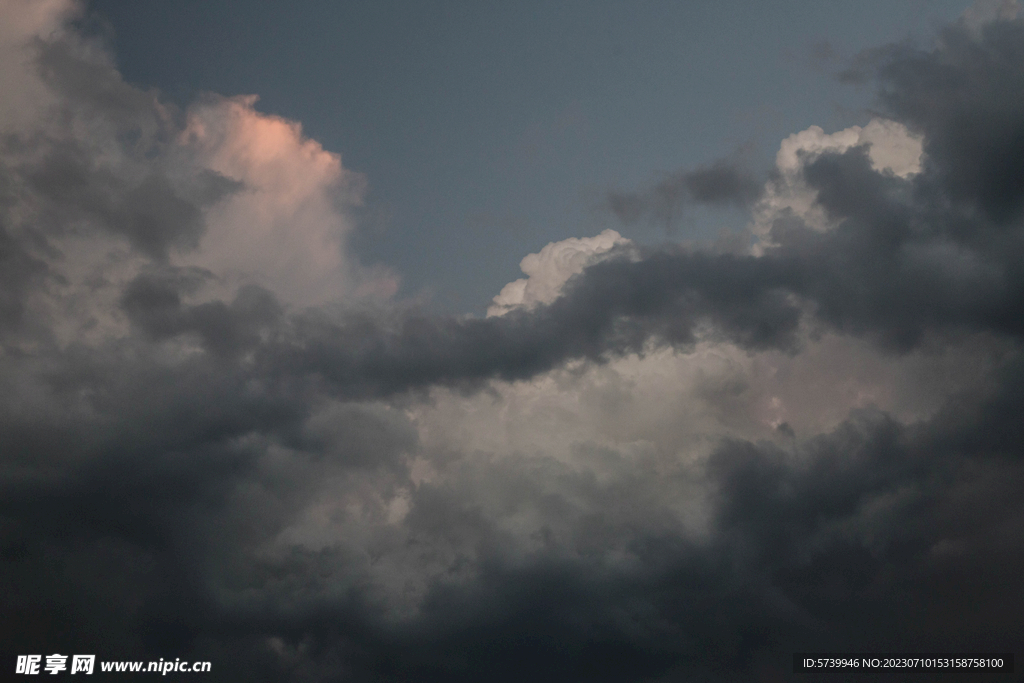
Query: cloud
[[286, 230], [970, 122], [549, 270], [103, 179], [24, 95], [721, 183], [890, 147], [225, 441], [983, 12]]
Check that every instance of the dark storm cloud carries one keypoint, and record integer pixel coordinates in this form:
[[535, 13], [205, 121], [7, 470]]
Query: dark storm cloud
[[143, 483], [18, 270], [615, 308], [843, 542], [152, 301], [721, 183], [963, 98]]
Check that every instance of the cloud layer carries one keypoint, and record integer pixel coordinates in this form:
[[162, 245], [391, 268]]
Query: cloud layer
[[224, 440]]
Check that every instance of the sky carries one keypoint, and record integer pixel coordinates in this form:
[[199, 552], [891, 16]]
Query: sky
[[487, 130], [510, 341]]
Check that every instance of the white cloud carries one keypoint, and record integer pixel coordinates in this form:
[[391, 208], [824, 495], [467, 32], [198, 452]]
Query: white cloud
[[285, 230], [548, 270]]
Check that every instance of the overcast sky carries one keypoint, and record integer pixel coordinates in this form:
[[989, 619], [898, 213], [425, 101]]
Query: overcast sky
[[510, 341]]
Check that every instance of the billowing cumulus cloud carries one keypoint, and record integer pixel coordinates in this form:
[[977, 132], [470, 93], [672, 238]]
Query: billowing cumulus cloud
[[285, 228], [223, 438], [549, 270]]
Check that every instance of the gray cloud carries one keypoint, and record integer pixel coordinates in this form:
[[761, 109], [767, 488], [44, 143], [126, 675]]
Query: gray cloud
[[153, 303], [960, 97], [721, 183], [18, 270], [227, 478]]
